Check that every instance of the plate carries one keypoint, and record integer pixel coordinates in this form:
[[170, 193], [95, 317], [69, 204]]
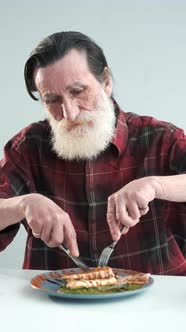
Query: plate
[[46, 282]]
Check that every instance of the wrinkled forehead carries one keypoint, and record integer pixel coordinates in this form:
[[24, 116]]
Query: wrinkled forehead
[[73, 67]]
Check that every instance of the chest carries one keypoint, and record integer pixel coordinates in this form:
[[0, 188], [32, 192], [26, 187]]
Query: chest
[[92, 180]]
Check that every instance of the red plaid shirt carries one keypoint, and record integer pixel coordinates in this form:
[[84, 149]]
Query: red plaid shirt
[[142, 147]]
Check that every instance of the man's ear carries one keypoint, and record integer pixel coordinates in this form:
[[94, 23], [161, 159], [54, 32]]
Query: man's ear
[[107, 81]]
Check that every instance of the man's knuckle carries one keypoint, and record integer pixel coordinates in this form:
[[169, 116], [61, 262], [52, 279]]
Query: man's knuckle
[[72, 235], [34, 223], [56, 242], [53, 243], [109, 217], [112, 198], [66, 215]]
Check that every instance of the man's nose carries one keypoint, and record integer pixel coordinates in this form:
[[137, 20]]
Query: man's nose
[[70, 110]]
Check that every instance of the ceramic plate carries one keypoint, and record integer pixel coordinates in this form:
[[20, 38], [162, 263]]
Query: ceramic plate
[[46, 283]]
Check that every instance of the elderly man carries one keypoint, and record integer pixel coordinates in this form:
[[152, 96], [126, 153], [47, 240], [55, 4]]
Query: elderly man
[[89, 168]]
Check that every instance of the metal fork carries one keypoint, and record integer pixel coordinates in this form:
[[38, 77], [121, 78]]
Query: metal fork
[[76, 260], [105, 255]]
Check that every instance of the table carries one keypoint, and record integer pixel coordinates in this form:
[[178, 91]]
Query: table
[[160, 308]]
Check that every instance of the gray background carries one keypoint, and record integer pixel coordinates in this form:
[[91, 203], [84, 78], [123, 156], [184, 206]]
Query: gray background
[[145, 45]]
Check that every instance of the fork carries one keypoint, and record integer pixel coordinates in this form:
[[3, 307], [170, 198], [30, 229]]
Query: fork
[[76, 260], [105, 255]]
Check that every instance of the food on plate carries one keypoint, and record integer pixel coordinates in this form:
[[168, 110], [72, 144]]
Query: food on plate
[[91, 274], [138, 278], [102, 280], [74, 284]]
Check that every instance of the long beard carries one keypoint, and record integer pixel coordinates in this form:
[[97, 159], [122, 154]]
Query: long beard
[[88, 135]]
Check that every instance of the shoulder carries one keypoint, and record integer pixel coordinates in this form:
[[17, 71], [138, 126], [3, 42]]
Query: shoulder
[[143, 122], [139, 125], [37, 132], [31, 140]]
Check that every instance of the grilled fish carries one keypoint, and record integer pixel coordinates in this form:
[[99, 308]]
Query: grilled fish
[[138, 278], [92, 274], [73, 284]]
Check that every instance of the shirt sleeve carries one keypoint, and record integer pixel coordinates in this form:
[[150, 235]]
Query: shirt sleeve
[[177, 152], [177, 165], [12, 183]]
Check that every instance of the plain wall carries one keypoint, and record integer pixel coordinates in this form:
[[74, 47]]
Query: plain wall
[[145, 45]]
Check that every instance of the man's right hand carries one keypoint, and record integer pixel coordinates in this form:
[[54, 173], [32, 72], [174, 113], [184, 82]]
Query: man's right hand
[[49, 222]]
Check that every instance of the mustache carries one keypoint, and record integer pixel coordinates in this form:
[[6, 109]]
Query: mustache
[[82, 120]]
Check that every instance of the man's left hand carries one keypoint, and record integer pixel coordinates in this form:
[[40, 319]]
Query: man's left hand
[[126, 206]]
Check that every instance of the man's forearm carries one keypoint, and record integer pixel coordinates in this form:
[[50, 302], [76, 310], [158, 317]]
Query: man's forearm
[[171, 188], [10, 211]]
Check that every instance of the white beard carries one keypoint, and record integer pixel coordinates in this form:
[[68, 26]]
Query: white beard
[[88, 135]]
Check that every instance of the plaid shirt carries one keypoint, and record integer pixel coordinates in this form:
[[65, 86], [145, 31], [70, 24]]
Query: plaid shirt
[[142, 147]]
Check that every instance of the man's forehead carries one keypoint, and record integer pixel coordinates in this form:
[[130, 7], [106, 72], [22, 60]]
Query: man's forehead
[[72, 69], [73, 85]]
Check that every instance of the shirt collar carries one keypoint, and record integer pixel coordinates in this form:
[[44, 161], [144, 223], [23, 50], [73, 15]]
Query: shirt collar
[[121, 133]]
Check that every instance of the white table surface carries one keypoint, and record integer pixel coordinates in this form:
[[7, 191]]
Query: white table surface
[[160, 308]]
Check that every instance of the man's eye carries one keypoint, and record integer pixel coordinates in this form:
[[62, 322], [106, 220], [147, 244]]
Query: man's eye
[[76, 92], [52, 101]]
